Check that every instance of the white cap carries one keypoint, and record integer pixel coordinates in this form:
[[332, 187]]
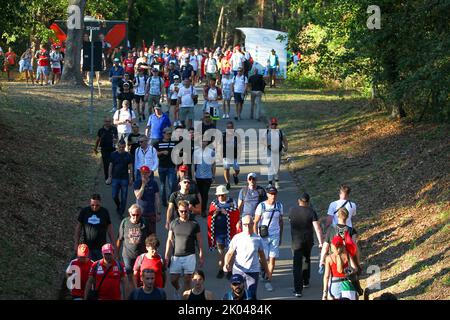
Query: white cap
[[251, 174]]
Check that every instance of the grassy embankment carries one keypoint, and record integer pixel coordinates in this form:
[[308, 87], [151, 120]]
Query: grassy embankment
[[400, 178], [47, 169]]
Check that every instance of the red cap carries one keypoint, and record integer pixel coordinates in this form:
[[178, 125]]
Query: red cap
[[107, 248], [145, 169], [337, 241], [274, 120], [183, 168], [83, 250]]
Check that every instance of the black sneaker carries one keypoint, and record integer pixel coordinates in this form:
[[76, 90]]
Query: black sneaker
[[228, 186], [229, 275], [236, 118], [297, 294], [236, 179], [306, 285], [220, 274]]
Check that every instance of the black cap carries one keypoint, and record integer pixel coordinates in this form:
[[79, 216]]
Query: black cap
[[304, 197], [271, 189]]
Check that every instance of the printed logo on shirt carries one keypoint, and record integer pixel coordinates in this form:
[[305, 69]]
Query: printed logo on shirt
[[94, 220]]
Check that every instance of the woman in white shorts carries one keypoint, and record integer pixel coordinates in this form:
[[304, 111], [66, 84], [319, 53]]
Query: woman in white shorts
[[226, 93]]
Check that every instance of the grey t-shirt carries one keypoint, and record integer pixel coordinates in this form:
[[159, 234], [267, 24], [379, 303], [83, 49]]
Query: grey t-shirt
[[185, 234], [133, 237], [251, 201]]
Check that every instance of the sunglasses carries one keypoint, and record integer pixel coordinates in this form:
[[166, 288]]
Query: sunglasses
[[182, 211], [186, 182], [251, 178], [95, 205]]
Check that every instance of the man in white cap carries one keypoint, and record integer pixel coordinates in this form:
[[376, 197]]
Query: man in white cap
[[222, 219]]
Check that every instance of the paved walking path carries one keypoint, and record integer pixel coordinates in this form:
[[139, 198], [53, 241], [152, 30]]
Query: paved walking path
[[283, 277]]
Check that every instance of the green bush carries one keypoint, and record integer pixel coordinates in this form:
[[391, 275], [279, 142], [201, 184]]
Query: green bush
[[304, 79]]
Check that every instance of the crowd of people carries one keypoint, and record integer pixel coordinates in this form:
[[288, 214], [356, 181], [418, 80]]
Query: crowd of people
[[137, 143]]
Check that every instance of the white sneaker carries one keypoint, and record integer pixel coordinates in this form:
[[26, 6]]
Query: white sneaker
[[268, 286], [224, 116], [228, 116], [277, 185]]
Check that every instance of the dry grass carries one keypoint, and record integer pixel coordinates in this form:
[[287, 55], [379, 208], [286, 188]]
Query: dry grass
[[399, 173]]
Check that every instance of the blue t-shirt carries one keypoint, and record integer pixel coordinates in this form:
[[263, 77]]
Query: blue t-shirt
[[273, 60], [119, 72], [157, 125], [147, 202], [120, 162], [139, 294]]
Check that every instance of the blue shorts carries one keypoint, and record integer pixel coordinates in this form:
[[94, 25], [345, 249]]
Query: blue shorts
[[43, 70], [238, 97]]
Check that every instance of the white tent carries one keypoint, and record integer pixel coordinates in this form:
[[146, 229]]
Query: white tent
[[259, 42]]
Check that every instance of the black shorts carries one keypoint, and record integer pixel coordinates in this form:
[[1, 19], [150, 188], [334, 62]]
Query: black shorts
[[238, 97], [138, 98], [173, 102]]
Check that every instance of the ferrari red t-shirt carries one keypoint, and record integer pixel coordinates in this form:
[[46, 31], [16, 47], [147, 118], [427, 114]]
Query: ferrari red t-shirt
[[83, 269], [154, 263], [129, 65], [110, 289], [43, 58]]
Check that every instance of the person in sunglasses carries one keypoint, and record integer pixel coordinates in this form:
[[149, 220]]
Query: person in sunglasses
[[94, 223]]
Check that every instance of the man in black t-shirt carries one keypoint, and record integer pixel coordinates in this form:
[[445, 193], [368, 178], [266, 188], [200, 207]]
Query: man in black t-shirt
[[303, 220], [133, 231], [148, 291], [183, 235], [93, 225], [106, 139], [166, 169], [257, 83], [126, 94], [194, 205]]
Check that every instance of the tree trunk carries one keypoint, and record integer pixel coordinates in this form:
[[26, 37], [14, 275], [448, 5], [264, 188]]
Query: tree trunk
[[71, 72], [398, 111], [129, 9], [219, 24], [261, 13], [199, 20], [274, 15]]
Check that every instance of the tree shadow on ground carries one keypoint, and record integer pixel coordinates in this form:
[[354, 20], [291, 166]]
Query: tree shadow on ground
[[422, 287]]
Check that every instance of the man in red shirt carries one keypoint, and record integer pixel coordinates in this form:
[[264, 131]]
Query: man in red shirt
[[150, 260], [43, 68], [108, 276], [10, 62], [128, 65], [78, 272]]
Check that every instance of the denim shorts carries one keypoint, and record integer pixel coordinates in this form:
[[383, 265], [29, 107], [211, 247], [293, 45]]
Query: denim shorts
[[185, 265], [271, 243]]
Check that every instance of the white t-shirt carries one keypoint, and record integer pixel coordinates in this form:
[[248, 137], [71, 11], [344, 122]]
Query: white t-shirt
[[140, 86], [226, 84], [186, 96], [174, 94], [274, 227], [239, 83], [211, 65], [123, 115], [193, 62], [246, 248], [55, 59], [350, 206], [237, 60]]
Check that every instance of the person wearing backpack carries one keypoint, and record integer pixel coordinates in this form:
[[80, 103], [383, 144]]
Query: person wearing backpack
[[153, 90], [150, 260], [343, 202], [106, 278], [140, 83], [269, 226], [274, 154], [211, 67], [123, 119], [250, 196], [133, 231]]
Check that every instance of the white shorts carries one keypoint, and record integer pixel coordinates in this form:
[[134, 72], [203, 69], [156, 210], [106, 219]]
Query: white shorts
[[227, 165], [183, 265]]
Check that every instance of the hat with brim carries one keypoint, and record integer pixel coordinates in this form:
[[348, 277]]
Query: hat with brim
[[221, 190], [107, 248]]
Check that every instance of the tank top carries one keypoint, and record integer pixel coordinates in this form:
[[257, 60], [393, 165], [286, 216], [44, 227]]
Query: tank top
[[197, 297], [334, 271]]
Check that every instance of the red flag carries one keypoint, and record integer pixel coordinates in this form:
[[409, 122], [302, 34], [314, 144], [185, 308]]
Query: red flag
[[350, 246]]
